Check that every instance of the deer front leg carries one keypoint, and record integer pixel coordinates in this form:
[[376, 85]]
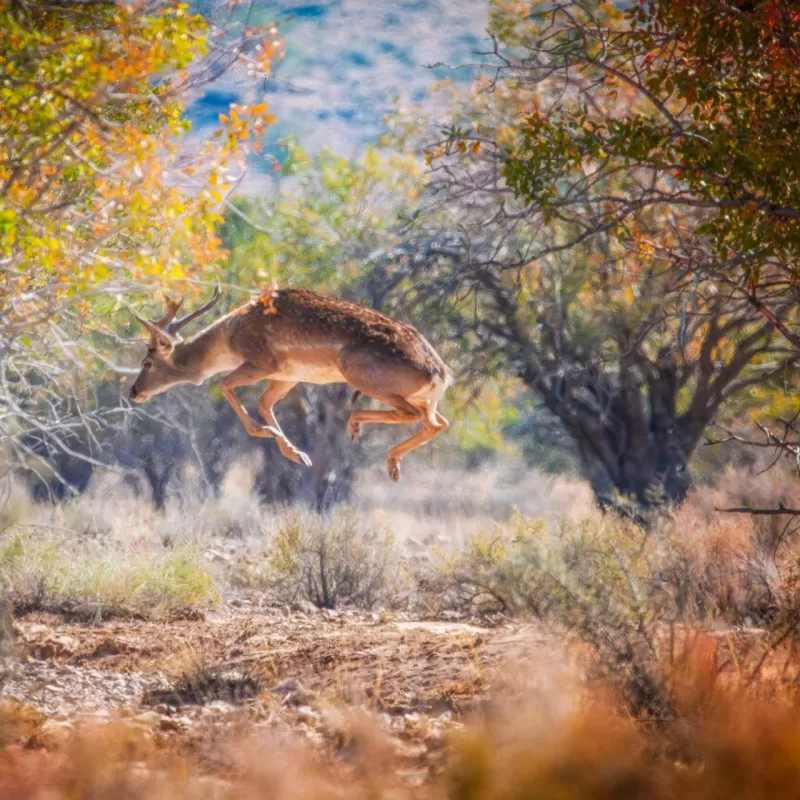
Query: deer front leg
[[244, 375], [272, 394]]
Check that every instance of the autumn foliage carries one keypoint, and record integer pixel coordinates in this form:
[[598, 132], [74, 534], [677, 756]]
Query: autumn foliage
[[102, 193], [622, 184], [95, 184]]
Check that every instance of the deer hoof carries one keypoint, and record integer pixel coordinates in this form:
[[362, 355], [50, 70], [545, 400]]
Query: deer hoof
[[298, 456], [355, 430], [394, 470]]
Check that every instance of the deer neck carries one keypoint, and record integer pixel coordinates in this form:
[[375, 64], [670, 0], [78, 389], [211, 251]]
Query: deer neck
[[205, 354]]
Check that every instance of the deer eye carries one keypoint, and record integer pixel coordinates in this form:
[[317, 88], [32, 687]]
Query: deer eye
[[147, 365]]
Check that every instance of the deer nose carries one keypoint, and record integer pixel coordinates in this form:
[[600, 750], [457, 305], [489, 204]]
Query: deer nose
[[133, 392]]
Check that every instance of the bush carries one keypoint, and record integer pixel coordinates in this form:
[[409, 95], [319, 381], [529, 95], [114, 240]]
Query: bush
[[329, 561], [622, 588]]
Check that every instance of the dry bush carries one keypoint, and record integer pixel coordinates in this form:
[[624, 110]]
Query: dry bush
[[108, 549], [621, 587], [588, 577], [723, 743], [110, 510], [328, 560], [194, 680]]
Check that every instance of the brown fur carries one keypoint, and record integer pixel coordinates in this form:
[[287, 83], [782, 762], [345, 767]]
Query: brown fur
[[293, 335]]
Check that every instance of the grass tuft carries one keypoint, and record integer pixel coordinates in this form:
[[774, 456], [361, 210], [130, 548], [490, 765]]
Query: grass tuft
[[48, 572]]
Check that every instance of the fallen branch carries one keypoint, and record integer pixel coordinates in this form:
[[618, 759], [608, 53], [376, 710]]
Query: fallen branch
[[781, 509]]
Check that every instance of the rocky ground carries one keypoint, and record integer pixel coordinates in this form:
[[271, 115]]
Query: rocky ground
[[191, 682]]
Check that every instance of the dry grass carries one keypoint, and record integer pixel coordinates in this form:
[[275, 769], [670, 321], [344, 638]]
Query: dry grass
[[43, 570], [624, 590], [366, 555], [444, 507], [725, 743], [491, 539], [683, 697]]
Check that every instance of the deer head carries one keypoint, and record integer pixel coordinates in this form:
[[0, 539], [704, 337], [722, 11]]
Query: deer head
[[159, 371]]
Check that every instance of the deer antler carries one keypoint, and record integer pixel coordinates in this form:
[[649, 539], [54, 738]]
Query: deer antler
[[151, 326], [174, 327], [172, 310], [168, 323]]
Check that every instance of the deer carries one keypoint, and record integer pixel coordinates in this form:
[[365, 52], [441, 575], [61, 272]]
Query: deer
[[290, 336]]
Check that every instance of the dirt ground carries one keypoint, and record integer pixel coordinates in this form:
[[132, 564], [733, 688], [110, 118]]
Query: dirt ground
[[190, 682]]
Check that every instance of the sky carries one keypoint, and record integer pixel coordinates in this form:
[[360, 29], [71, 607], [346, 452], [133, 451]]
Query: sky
[[346, 63]]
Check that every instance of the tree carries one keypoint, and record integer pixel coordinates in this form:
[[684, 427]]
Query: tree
[[100, 194], [594, 264], [690, 106], [321, 231]]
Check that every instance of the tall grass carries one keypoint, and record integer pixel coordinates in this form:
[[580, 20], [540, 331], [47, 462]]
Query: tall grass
[[47, 571]]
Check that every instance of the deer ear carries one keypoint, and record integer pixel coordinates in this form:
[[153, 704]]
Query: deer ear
[[163, 345]]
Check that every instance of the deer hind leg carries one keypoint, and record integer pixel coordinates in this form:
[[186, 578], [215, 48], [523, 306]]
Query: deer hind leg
[[244, 375], [433, 423], [272, 394], [400, 384], [402, 413]]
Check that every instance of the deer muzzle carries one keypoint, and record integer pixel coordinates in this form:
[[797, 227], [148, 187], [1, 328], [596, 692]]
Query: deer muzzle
[[137, 396]]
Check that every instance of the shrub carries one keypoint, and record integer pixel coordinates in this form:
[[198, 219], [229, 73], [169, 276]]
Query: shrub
[[622, 588], [327, 560], [194, 680]]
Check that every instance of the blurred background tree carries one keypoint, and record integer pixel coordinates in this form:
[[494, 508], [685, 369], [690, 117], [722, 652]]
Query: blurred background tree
[[623, 203]]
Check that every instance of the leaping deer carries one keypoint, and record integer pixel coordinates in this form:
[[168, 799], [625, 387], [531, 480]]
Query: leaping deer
[[288, 336]]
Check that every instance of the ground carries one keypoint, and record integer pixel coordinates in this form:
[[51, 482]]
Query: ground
[[195, 642], [192, 681]]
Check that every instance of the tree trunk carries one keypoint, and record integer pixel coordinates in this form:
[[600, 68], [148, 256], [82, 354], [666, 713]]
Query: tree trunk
[[653, 474], [632, 444], [158, 478], [330, 479]]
